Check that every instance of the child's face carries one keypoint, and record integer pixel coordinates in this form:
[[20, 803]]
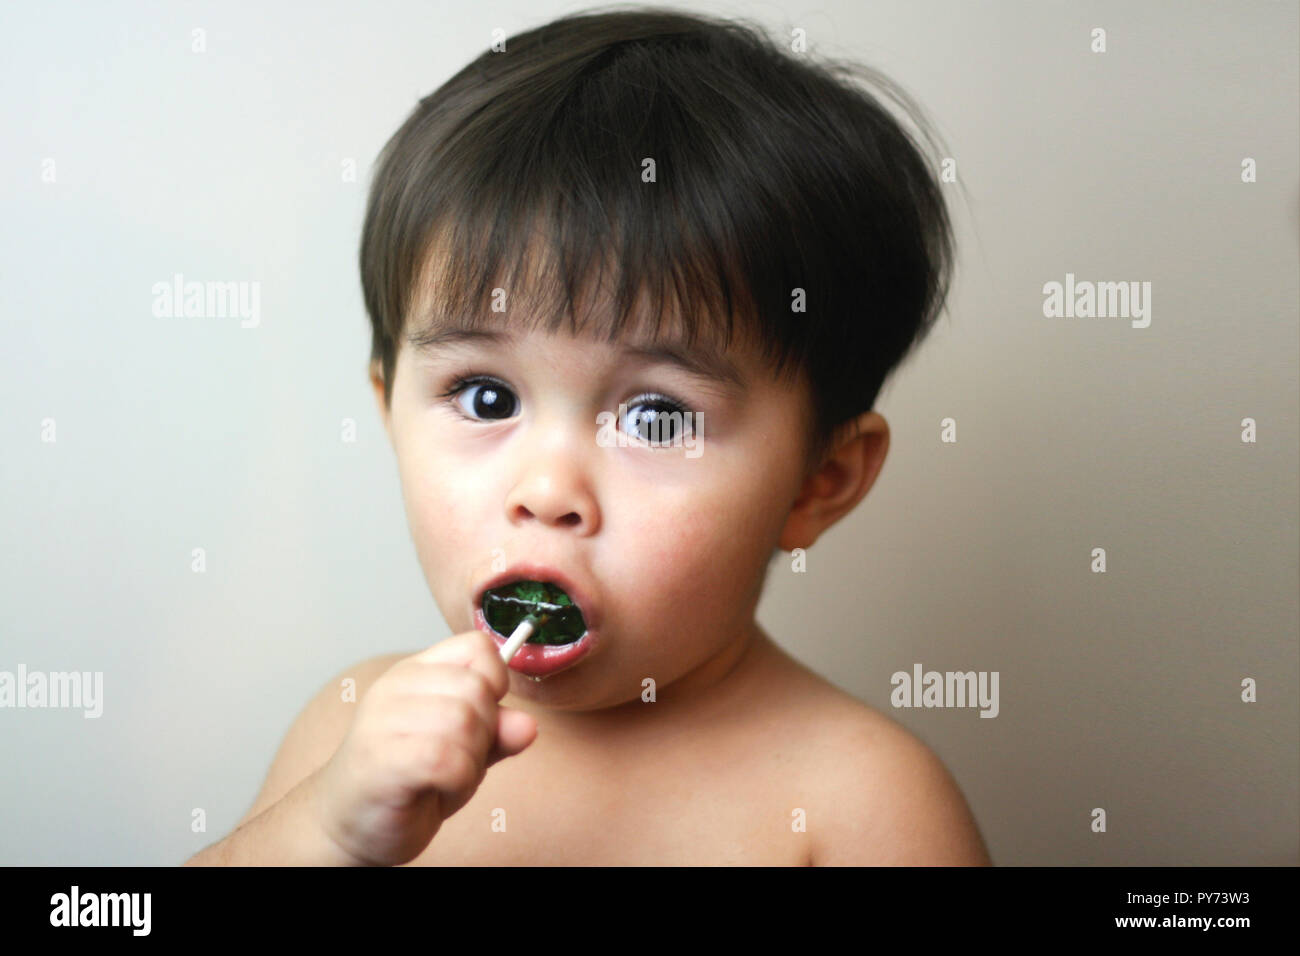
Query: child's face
[[670, 543]]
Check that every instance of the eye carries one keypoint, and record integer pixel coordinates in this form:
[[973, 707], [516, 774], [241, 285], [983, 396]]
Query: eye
[[657, 420], [487, 398]]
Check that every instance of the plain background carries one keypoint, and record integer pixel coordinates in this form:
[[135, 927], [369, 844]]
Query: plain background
[[1118, 690]]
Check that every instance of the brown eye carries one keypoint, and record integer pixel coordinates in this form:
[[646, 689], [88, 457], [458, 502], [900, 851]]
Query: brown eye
[[487, 399], [657, 420]]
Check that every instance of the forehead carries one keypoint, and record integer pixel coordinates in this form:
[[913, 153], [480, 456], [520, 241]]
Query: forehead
[[705, 359], [465, 299]]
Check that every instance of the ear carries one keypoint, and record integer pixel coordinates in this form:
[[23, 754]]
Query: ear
[[845, 475], [377, 383]]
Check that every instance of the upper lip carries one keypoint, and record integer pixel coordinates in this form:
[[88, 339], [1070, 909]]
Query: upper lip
[[530, 571]]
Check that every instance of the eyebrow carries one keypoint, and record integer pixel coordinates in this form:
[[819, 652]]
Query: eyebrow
[[708, 367]]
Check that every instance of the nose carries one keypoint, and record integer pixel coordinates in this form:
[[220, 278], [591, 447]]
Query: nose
[[554, 490]]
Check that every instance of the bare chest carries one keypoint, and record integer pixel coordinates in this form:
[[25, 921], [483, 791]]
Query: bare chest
[[680, 809]]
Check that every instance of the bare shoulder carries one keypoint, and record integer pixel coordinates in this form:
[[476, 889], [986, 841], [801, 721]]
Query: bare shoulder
[[877, 795], [318, 730]]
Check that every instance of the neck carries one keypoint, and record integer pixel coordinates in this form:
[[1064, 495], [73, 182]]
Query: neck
[[708, 688]]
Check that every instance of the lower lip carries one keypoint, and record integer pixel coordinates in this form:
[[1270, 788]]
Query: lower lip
[[539, 660]]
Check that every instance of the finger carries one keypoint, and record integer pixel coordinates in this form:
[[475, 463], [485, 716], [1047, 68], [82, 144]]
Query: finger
[[469, 686], [515, 731], [446, 766], [475, 650]]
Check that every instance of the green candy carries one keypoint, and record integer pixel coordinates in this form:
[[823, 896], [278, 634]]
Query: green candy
[[559, 621]]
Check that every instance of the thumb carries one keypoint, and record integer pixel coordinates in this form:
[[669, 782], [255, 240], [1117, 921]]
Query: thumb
[[515, 731]]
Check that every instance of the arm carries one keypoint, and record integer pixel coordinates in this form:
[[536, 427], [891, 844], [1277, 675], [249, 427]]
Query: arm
[[287, 833], [282, 827], [891, 802]]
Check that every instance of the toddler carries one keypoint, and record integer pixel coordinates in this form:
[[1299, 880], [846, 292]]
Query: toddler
[[635, 280]]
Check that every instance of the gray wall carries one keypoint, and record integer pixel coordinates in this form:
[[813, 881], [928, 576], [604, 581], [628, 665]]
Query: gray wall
[[1119, 690]]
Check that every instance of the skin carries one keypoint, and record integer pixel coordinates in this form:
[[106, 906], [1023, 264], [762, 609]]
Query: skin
[[674, 547], [675, 550], [742, 741]]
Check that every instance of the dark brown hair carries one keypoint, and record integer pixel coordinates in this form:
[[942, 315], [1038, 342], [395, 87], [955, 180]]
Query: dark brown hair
[[772, 173]]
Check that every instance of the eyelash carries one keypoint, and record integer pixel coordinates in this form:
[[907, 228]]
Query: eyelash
[[464, 380]]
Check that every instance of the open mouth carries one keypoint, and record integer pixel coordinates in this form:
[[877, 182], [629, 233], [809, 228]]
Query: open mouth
[[559, 620]]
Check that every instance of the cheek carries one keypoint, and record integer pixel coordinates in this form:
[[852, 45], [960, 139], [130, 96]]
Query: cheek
[[700, 554], [440, 504]]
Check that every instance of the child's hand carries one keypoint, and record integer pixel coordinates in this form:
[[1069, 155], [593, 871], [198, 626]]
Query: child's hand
[[419, 746]]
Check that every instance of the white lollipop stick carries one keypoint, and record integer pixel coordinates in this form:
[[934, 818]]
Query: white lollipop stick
[[516, 640]]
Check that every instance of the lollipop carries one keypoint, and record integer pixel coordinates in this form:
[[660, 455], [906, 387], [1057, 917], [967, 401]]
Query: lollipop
[[535, 612]]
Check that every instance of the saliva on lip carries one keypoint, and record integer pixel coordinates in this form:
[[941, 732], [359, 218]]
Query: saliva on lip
[[559, 620]]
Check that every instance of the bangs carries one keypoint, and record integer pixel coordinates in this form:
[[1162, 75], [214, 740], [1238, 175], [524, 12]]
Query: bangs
[[652, 174], [564, 272], [609, 191]]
